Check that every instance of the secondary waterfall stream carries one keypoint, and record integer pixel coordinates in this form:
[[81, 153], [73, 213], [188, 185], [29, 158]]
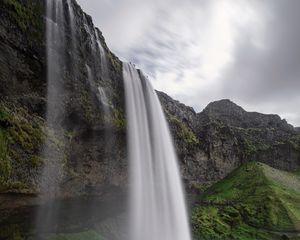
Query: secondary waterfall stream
[[52, 170], [157, 205], [62, 51]]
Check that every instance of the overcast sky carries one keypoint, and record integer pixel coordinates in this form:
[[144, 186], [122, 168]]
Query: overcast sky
[[200, 51]]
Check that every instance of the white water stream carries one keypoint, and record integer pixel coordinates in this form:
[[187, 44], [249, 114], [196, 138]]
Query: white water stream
[[157, 205]]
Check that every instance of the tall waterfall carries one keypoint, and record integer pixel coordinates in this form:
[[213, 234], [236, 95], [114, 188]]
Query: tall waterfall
[[157, 205], [55, 40], [104, 67], [52, 171]]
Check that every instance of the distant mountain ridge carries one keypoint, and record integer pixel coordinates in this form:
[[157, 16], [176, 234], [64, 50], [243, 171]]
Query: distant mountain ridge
[[224, 135], [230, 113]]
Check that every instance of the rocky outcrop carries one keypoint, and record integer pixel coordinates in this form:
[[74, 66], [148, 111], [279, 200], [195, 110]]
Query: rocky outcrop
[[231, 114], [182, 112], [224, 135]]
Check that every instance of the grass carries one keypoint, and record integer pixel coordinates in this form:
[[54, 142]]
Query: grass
[[251, 203]]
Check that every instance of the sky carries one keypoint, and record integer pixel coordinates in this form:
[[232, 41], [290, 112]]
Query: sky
[[199, 51]]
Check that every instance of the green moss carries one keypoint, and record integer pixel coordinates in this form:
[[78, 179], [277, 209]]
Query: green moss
[[295, 142], [118, 118], [184, 133], [253, 201], [115, 62], [217, 223], [85, 102], [254, 140], [36, 161], [28, 17], [12, 186], [207, 224], [20, 139], [249, 148], [5, 166]]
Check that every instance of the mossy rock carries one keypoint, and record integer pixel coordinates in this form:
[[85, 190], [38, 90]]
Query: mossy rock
[[21, 138], [27, 15], [118, 118], [184, 132]]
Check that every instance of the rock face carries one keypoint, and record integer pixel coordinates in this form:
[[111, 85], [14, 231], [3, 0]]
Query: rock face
[[93, 144], [209, 144], [224, 135], [23, 92], [231, 114]]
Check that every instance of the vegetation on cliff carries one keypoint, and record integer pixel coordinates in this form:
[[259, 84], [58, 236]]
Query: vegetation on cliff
[[253, 202], [21, 136], [28, 17]]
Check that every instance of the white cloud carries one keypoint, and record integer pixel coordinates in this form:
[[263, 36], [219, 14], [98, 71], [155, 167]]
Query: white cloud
[[189, 48]]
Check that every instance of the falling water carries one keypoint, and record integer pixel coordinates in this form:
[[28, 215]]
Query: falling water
[[55, 61], [52, 172], [90, 76], [102, 96], [71, 18], [96, 45], [73, 41], [157, 205], [103, 59]]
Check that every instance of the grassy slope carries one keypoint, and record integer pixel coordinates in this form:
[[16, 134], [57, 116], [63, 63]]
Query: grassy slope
[[253, 202]]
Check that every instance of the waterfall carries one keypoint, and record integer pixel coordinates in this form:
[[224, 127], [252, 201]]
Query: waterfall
[[102, 97], [55, 39], [99, 91], [73, 41], [104, 68], [52, 170], [157, 204], [71, 19], [98, 50], [90, 78]]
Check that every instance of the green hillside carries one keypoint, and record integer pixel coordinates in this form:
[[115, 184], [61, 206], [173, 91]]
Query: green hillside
[[253, 202]]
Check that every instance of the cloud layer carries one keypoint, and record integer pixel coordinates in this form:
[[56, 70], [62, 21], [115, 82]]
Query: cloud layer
[[203, 50]]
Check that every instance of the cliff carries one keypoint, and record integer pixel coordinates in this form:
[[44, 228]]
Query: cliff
[[214, 142], [93, 170]]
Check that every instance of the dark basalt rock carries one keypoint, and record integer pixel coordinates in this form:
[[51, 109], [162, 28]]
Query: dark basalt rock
[[93, 145], [226, 136], [229, 113]]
